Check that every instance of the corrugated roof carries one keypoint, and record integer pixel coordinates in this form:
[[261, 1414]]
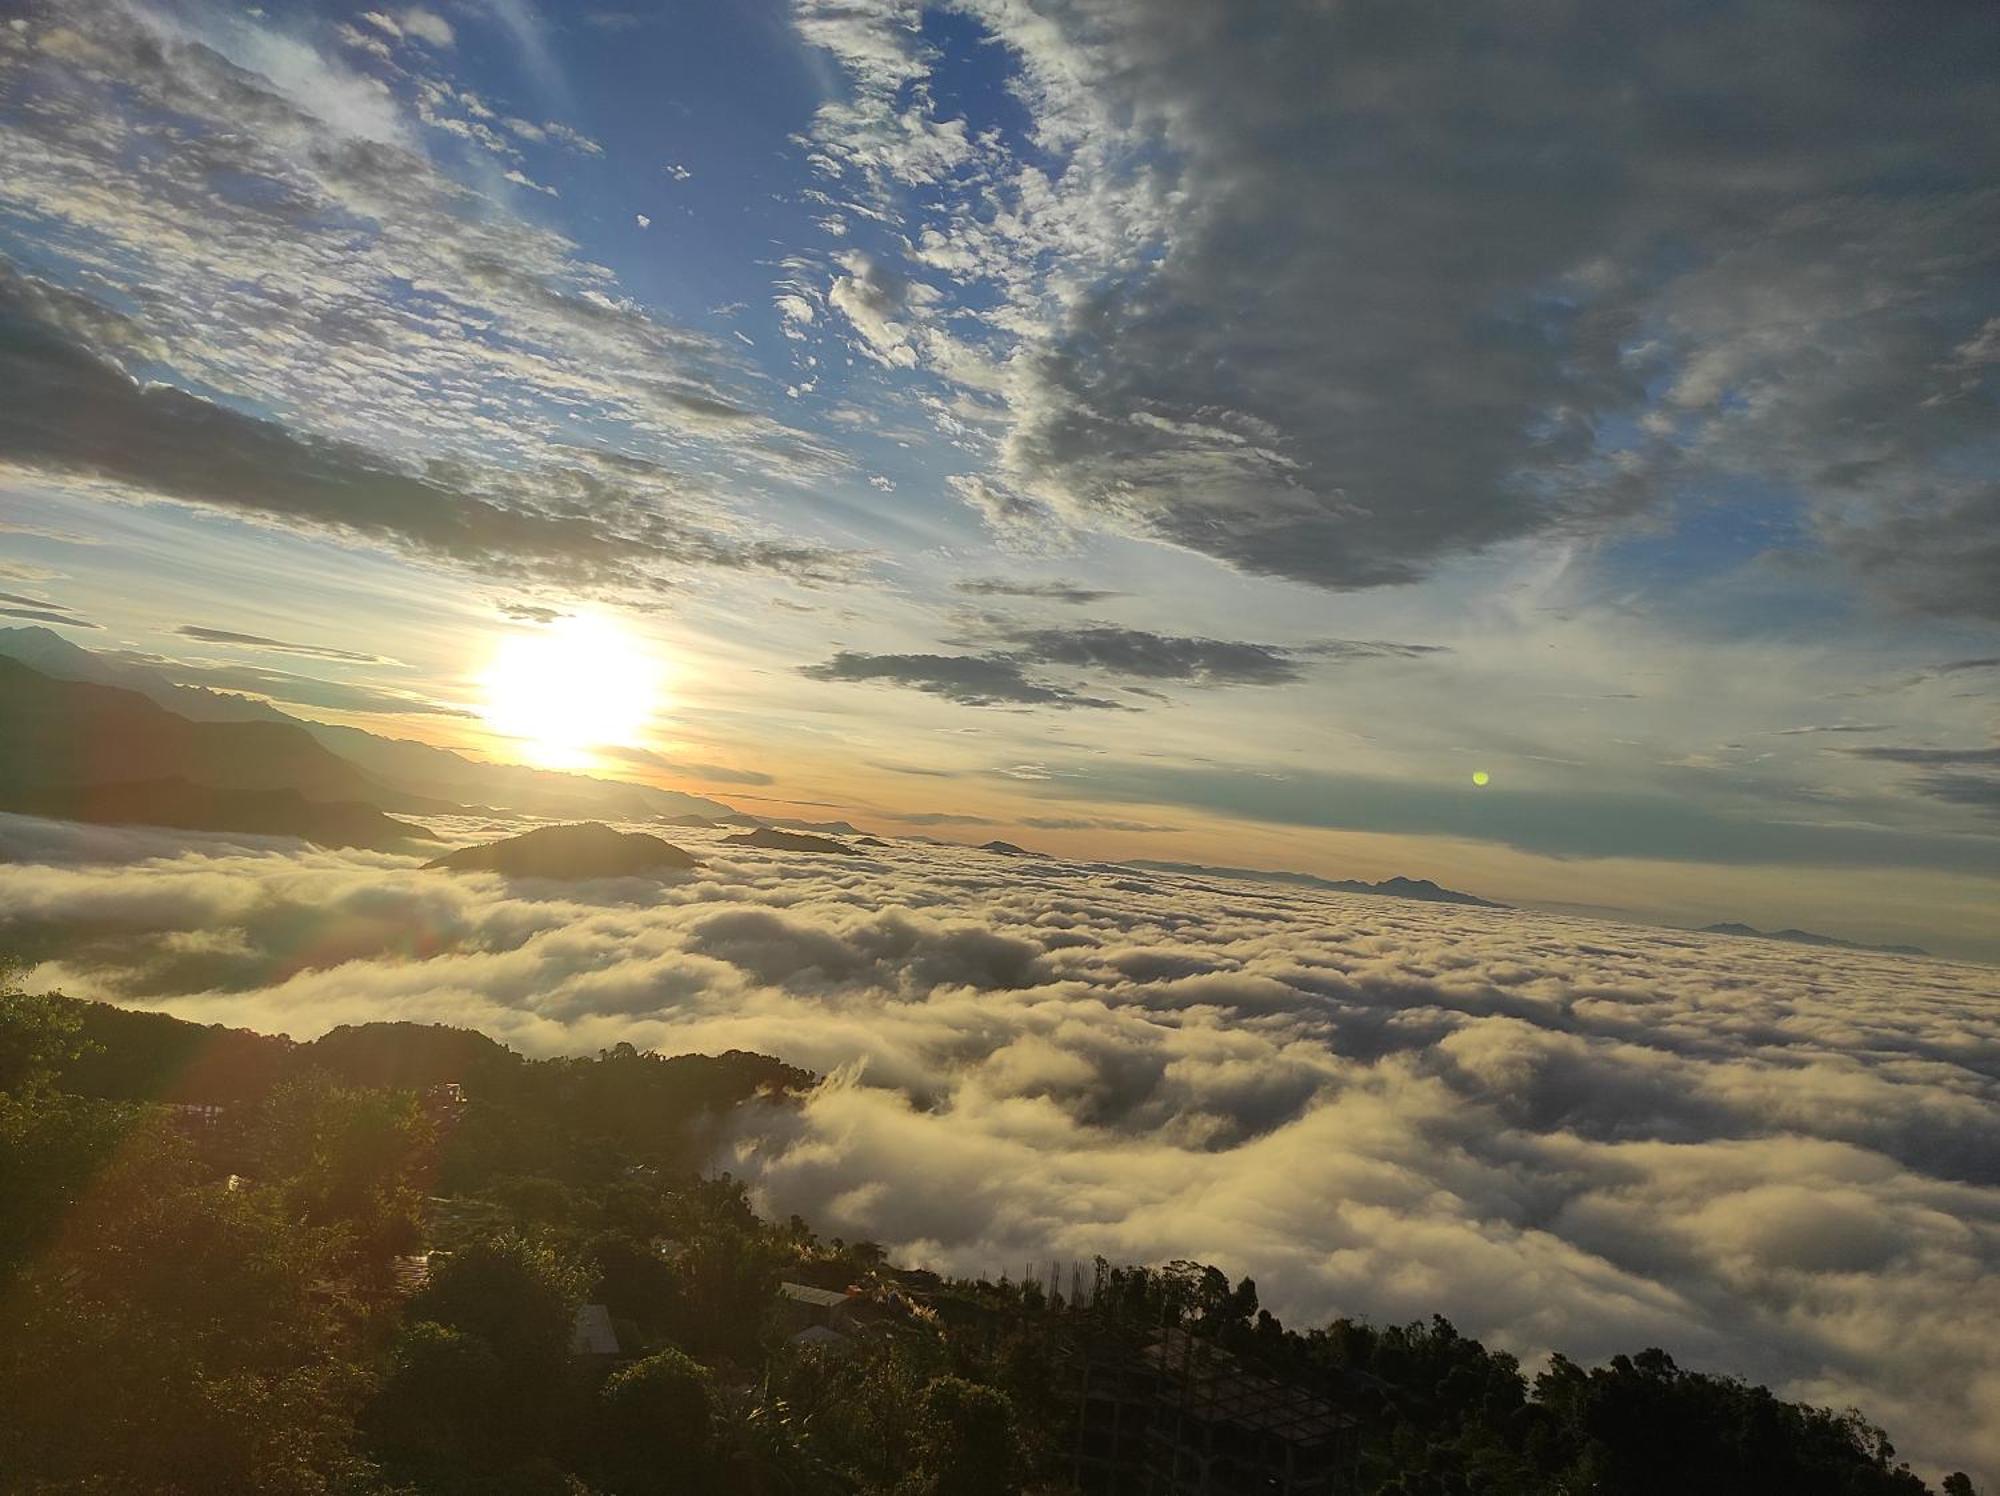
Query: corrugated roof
[[805, 1293]]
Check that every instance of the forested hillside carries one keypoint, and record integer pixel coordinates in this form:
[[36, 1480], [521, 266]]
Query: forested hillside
[[230, 1262]]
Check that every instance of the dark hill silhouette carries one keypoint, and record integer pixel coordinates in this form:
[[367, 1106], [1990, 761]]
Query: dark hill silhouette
[[690, 819], [1420, 889], [1008, 849], [1810, 937], [402, 775], [589, 850], [55, 732], [181, 806], [46, 651], [132, 1054], [773, 840], [78, 751]]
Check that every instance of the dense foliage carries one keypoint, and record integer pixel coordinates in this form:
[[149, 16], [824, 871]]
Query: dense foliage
[[197, 1300]]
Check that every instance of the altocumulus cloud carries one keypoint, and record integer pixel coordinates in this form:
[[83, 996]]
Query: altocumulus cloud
[[1773, 1160], [364, 270], [73, 413]]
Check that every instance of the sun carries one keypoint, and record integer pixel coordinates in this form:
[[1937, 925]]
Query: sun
[[579, 684]]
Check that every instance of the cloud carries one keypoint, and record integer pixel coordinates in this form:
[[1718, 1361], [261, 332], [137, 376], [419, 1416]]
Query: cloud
[[1962, 789], [971, 680], [1339, 297], [521, 179], [1773, 1160], [1000, 676], [674, 764], [1051, 591], [1899, 755], [258, 641], [303, 690], [415, 22], [73, 412], [41, 610], [428, 26], [298, 259], [1148, 656]]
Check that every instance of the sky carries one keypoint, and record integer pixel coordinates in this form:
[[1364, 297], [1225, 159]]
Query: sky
[[1162, 428]]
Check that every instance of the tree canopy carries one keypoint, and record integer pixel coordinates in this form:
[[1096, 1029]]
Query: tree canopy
[[230, 1262]]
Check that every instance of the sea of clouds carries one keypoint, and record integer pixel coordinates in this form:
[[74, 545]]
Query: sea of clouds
[[1773, 1160]]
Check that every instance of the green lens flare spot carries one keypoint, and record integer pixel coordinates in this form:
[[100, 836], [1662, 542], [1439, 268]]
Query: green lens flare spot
[[1480, 776]]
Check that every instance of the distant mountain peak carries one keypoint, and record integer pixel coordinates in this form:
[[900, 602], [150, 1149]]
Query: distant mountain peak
[[587, 850], [1809, 937], [771, 839], [1421, 890], [1007, 849]]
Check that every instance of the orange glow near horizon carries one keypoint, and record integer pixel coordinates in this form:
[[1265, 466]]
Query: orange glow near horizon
[[580, 684]]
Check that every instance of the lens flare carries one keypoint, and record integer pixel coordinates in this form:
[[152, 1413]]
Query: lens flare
[[1480, 776]]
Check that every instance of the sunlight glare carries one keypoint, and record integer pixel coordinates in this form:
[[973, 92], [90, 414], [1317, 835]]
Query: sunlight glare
[[581, 683]]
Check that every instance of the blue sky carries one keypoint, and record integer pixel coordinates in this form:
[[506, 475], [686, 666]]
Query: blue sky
[[1217, 434]]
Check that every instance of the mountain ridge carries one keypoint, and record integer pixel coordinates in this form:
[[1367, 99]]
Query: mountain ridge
[[1809, 937], [1419, 890], [419, 777]]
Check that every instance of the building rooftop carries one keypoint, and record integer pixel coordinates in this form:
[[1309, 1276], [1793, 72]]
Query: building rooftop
[[805, 1293], [593, 1335]]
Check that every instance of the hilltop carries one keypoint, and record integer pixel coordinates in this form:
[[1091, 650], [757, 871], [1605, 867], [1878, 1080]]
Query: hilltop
[[392, 774], [80, 751], [773, 840], [591, 850], [178, 805]]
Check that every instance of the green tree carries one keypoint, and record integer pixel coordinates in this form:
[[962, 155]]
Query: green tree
[[355, 1159], [516, 1295], [657, 1423], [966, 1441], [729, 1280], [171, 1337], [39, 1032], [442, 1402], [479, 1390]]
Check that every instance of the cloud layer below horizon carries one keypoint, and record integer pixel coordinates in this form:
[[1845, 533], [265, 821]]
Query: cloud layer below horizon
[[1775, 1161]]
